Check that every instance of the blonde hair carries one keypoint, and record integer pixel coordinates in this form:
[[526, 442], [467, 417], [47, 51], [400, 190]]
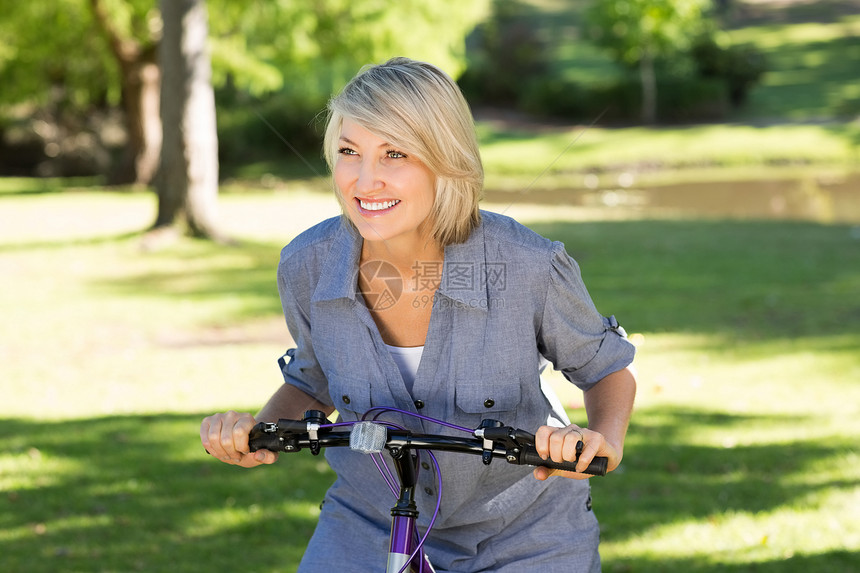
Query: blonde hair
[[417, 107]]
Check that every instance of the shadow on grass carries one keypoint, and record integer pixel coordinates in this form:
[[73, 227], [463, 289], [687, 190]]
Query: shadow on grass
[[667, 479], [138, 493], [829, 562], [127, 493]]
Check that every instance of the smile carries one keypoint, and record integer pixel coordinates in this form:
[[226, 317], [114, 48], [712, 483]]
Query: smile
[[377, 206]]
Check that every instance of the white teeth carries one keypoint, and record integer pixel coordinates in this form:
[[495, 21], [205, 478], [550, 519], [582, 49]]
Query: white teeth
[[378, 206]]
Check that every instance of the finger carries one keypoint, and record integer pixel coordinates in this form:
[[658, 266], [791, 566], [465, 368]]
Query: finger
[[212, 439], [562, 444], [541, 473], [226, 437], [204, 433], [265, 456], [573, 437], [254, 459], [590, 449], [241, 432], [542, 441]]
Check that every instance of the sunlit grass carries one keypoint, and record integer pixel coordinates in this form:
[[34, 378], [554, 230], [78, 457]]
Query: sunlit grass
[[781, 36], [742, 454], [745, 538], [581, 150], [811, 70], [744, 434]]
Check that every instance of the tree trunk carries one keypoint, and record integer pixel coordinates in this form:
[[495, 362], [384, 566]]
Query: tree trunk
[[649, 88], [188, 184], [140, 79], [140, 101]]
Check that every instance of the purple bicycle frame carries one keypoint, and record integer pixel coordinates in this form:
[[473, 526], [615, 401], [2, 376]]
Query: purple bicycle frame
[[404, 540], [404, 535]]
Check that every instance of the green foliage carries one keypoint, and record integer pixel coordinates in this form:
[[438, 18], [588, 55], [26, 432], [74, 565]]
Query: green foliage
[[284, 59], [507, 55], [514, 60], [740, 67], [51, 54], [632, 29], [281, 60], [303, 50]]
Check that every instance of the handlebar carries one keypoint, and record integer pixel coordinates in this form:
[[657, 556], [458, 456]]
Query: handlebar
[[490, 440]]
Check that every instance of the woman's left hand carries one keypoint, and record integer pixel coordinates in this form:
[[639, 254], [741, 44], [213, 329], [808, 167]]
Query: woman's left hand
[[559, 444]]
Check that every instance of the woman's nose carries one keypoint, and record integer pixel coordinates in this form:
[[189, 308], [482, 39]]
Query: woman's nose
[[369, 177]]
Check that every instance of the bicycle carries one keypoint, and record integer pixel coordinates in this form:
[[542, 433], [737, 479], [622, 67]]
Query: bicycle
[[370, 435]]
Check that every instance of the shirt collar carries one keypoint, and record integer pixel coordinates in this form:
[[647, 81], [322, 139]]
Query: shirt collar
[[339, 275], [463, 275]]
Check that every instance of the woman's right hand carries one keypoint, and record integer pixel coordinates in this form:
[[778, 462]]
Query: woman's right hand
[[225, 436]]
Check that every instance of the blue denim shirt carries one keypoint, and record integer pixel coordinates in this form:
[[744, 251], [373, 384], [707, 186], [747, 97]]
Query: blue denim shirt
[[507, 297]]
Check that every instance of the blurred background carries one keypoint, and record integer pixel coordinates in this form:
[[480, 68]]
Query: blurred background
[[699, 158]]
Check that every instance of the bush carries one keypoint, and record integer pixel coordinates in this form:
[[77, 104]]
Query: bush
[[691, 99], [738, 67], [249, 128], [504, 55], [508, 66], [551, 96]]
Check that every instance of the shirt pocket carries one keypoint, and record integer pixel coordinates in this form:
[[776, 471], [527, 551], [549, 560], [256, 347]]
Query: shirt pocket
[[350, 396], [497, 398]]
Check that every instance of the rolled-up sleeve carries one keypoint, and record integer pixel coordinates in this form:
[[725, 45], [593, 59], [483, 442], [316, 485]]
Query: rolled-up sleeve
[[299, 365], [580, 342]]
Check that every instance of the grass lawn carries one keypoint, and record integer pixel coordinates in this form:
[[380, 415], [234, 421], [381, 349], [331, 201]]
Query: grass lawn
[[742, 454]]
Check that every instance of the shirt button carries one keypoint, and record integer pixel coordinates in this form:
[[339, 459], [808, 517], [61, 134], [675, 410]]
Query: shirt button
[[428, 491], [419, 404], [489, 403], [345, 398], [425, 465]]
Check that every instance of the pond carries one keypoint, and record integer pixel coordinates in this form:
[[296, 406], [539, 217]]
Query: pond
[[833, 199]]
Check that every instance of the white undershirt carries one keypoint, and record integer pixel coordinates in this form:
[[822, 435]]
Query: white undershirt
[[407, 360]]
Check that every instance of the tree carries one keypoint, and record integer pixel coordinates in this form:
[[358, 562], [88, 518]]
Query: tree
[[287, 54], [187, 187], [293, 54], [639, 32], [134, 48]]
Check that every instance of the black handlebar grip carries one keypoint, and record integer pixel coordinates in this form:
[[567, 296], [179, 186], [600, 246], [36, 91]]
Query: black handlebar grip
[[597, 467]]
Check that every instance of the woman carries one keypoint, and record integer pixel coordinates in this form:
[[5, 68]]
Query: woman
[[416, 299]]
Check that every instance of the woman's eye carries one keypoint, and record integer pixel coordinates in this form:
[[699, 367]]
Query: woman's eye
[[346, 151], [391, 153]]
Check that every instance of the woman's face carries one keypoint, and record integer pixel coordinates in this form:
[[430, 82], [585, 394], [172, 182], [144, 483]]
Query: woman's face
[[388, 193]]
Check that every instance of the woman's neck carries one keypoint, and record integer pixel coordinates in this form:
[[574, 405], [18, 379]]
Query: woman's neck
[[403, 254]]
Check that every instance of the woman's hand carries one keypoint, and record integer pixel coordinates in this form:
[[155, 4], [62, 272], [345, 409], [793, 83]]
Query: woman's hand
[[559, 445], [225, 436]]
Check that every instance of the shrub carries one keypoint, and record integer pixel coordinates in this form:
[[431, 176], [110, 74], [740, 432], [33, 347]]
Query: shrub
[[738, 67]]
